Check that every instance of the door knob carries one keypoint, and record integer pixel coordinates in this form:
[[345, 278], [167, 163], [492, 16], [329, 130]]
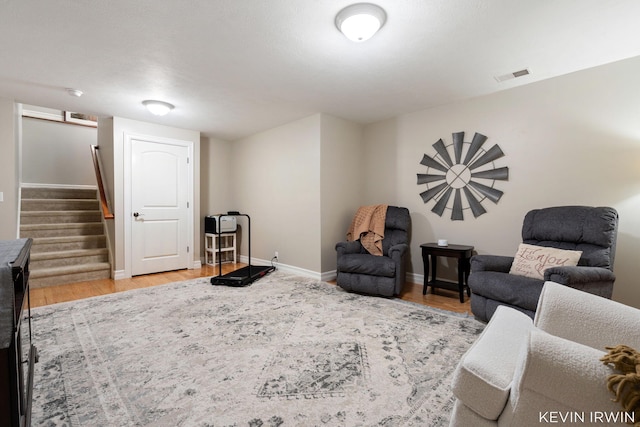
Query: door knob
[[136, 214]]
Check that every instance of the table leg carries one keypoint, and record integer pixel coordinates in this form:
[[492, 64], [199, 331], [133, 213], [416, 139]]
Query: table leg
[[434, 264], [461, 270], [425, 267], [467, 271]]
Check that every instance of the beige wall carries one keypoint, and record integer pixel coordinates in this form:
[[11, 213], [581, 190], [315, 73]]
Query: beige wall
[[342, 155], [276, 180], [57, 153], [107, 159], [570, 140], [216, 180], [300, 183], [379, 162], [9, 169]]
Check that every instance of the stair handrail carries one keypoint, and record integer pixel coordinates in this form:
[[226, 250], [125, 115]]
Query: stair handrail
[[106, 210]]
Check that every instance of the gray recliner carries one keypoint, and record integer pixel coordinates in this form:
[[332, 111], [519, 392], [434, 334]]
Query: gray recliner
[[592, 230], [359, 271]]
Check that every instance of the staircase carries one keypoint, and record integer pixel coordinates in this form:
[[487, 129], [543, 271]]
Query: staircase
[[69, 244]]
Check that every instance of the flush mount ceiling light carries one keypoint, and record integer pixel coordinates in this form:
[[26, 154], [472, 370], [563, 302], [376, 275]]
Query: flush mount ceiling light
[[159, 108], [74, 92], [360, 21]]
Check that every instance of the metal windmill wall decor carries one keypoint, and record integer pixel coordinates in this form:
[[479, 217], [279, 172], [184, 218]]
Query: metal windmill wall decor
[[473, 176]]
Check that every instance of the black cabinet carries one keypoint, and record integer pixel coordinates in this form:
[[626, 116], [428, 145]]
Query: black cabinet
[[17, 352]]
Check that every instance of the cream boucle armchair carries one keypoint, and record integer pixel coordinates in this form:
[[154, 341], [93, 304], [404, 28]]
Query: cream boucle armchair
[[527, 373]]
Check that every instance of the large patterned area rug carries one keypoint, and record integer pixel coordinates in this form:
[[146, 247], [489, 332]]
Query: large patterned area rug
[[287, 351]]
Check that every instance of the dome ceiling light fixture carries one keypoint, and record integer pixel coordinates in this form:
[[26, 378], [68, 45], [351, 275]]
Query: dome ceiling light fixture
[[159, 108], [74, 92], [360, 21]]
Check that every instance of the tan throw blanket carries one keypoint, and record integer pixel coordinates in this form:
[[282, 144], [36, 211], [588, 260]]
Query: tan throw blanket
[[368, 226], [626, 384]]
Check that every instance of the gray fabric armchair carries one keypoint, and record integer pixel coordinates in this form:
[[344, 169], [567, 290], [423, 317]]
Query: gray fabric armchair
[[359, 271], [592, 230]]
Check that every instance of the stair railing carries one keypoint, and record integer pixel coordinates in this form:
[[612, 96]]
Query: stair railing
[[106, 210]]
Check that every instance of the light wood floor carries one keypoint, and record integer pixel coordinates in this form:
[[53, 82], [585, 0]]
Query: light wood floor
[[444, 299]]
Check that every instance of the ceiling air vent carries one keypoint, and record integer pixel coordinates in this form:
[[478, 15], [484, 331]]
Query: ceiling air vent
[[513, 75]]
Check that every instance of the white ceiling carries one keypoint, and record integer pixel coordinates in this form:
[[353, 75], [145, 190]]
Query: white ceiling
[[236, 67]]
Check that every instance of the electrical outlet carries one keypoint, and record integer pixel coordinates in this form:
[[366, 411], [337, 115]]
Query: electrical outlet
[[275, 254]]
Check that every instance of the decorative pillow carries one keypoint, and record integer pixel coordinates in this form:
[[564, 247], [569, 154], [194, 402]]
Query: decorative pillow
[[531, 260]]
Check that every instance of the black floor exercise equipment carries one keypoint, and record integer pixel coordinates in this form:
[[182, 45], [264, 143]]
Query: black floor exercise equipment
[[243, 276]]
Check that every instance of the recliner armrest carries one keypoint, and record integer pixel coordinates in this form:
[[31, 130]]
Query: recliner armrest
[[396, 252], [352, 247], [578, 275], [491, 263]]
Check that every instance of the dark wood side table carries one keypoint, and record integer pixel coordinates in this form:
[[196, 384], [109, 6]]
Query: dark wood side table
[[461, 252]]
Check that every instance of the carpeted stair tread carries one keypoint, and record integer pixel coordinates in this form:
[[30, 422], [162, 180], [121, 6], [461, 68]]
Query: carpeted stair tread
[[45, 260], [57, 213], [68, 254], [61, 229], [64, 225], [65, 243], [58, 193], [56, 271], [69, 274], [28, 205], [64, 239], [57, 217]]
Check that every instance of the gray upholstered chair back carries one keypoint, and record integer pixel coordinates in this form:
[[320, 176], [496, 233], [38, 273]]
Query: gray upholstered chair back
[[396, 228], [591, 230]]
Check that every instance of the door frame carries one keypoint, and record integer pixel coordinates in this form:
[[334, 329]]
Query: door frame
[[127, 182]]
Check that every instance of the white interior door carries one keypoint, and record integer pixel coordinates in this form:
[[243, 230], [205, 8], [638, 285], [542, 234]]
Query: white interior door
[[159, 206]]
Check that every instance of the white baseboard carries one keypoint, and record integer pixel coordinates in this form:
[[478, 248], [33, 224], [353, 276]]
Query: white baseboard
[[284, 267], [328, 275], [119, 274], [324, 276], [415, 278], [410, 277], [299, 271]]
